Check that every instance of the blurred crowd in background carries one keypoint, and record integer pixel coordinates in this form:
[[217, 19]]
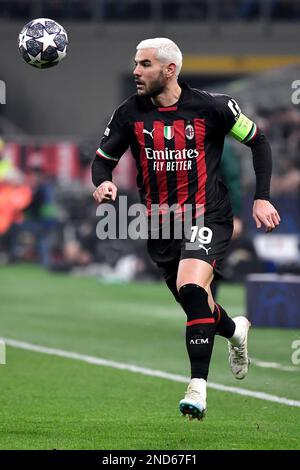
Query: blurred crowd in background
[[48, 214], [134, 10]]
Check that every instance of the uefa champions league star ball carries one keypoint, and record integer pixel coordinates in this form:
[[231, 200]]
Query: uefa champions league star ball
[[43, 43]]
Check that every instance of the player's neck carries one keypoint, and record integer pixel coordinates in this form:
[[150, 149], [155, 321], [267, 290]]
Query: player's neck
[[168, 97]]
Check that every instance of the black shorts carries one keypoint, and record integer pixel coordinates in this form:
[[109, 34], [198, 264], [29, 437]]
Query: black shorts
[[209, 243]]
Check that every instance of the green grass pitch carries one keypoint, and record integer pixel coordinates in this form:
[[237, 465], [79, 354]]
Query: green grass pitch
[[50, 402]]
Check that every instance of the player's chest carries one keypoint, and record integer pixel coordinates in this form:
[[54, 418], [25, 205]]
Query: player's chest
[[166, 131]]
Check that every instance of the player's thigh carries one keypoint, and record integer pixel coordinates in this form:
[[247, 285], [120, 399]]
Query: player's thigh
[[201, 259], [194, 271]]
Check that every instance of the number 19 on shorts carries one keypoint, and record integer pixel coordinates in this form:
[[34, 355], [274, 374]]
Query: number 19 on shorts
[[202, 236]]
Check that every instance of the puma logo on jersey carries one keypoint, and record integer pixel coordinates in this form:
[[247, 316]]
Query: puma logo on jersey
[[148, 132], [205, 249]]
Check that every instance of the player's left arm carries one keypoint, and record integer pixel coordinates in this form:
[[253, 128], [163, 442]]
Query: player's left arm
[[245, 131]]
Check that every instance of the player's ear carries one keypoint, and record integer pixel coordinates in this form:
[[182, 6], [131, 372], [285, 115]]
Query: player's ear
[[171, 70]]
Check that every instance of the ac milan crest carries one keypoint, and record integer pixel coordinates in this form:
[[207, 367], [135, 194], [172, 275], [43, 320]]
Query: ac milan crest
[[189, 132]]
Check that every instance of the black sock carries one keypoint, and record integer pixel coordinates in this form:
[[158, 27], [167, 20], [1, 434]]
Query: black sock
[[225, 326], [200, 328]]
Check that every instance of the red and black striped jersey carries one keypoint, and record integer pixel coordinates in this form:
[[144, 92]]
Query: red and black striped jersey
[[177, 149]]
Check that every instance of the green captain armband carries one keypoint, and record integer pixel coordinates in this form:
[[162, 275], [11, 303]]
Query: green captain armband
[[244, 129]]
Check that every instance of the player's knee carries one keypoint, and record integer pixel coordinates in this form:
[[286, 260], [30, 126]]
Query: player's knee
[[198, 283], [190, 290], [194, 301]]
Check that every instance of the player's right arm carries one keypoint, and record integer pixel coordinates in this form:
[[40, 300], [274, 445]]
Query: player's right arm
[[113, 145]]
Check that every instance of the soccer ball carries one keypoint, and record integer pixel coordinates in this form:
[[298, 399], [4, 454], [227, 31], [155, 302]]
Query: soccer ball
[[43, 43]]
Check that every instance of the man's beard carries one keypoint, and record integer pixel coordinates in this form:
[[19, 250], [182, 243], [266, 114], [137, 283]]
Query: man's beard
[[156, 88]]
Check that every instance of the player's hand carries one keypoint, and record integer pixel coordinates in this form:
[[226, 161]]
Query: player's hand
[[265, 214], [105, 192]]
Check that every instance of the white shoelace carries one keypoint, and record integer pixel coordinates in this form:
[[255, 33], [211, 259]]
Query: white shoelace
[[239, 353]]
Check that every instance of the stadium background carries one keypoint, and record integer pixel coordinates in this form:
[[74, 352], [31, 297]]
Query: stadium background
[[50, 125]]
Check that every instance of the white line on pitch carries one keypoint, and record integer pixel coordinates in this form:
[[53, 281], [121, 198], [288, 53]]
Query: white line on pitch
[[141, 370], [273, 365]]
